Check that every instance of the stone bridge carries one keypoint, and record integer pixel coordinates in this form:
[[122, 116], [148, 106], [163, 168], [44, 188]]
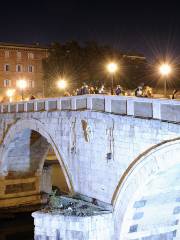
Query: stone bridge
[[123, 151]]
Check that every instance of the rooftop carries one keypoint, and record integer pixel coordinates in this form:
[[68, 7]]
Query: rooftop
[[36, 45]]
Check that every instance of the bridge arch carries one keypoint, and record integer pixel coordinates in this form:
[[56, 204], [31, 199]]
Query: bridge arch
[[34, 125], [155, 167]]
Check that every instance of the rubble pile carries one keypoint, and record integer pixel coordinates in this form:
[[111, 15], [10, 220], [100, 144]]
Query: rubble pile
[[72, 207]]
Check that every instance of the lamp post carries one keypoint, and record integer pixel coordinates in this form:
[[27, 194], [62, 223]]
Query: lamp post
[[22, 84], [10, 93], [112, 69], [165, 70]]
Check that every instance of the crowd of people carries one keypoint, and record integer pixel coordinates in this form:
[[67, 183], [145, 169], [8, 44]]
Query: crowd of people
[[140, 91], [85, 89]]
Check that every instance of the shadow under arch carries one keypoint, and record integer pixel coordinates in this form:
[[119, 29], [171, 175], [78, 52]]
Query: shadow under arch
[[35, 125], [159, 157]]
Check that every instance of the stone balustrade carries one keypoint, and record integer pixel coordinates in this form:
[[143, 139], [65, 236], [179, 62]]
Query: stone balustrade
[[162, 109]]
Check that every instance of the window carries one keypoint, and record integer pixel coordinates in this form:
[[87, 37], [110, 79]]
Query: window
[[18, 68], [6, 67], [7, 83], [30, 68], [18, 54], [31, 83], [6, 54], [31, 55]]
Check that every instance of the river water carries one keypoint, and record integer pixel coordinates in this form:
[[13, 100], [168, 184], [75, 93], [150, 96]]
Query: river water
[[17, 227]]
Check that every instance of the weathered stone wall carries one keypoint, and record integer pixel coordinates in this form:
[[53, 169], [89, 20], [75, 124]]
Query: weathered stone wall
[[38, 152], [46, 182], [94, 148], [54, 227], [18, 154]]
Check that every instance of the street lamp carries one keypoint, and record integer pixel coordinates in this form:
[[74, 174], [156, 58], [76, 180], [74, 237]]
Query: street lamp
[[62, 84], [165, 70], [22, 84], [10, 93], [112, 69]]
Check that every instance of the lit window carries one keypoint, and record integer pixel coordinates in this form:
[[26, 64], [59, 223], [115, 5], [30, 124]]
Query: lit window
[[6, 67], [6, 54], [31, 55], [18, 54], [18, 68], [7, 83], [30, 68], [31, 83]]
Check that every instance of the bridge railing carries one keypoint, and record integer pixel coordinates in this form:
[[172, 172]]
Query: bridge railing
[[163, 109]]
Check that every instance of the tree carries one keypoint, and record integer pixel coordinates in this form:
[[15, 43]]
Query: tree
[[64, 61], [87, 63]]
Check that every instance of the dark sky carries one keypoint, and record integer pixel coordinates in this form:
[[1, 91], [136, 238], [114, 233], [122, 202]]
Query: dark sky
[[150, 27]]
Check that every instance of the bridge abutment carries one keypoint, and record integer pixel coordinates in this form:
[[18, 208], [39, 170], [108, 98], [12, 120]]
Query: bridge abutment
[[55, 227], [75, 219]]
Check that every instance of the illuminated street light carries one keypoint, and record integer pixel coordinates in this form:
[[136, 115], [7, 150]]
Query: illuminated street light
[[112, 69], [22, 84], [62, 84], [10, 93], [165, 70]]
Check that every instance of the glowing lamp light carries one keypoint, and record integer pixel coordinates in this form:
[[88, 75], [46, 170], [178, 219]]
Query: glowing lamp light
[[10, 93], [112, 67], [22, 84], [62, 84], [165, 69]]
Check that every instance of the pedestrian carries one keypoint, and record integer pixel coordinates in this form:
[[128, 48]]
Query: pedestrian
[[84, 89], [101, 90], [174, 93], [139, 91], [78, 91], [118, 90], [32, 97], [91, 90], [67, 94], [96, 90], [147, 92]]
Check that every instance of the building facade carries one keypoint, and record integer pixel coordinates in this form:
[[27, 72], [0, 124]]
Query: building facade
[[17, 62]]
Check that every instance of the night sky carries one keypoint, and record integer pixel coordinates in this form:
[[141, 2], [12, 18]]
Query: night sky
[[151, 28]]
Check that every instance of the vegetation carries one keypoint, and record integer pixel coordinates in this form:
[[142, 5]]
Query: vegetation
[[54, 200], [86, 63]]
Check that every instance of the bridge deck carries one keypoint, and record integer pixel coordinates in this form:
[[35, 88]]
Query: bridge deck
[[162, 109]]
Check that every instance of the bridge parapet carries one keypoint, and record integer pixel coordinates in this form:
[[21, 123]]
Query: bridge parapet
[[162, 109]]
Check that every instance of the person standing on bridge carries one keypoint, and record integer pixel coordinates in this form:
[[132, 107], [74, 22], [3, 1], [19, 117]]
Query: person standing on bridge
[[139, 91], [84, 89], [118, 90], [32, 97], [174, 93]]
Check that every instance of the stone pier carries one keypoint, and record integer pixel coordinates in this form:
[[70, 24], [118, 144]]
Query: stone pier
[[66, 218], [60, 227]]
